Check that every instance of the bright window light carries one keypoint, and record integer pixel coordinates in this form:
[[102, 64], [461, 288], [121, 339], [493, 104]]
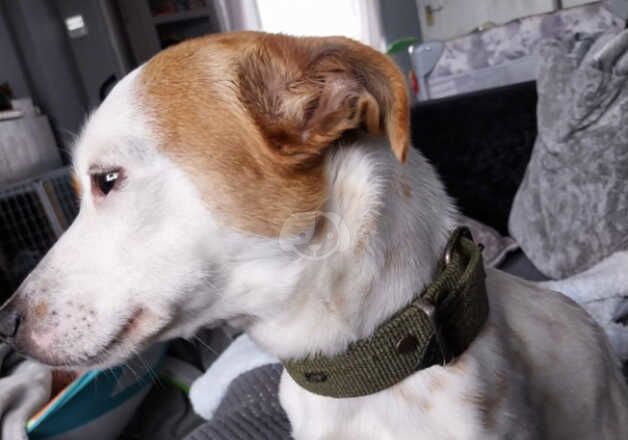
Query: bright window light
[[350, 18]]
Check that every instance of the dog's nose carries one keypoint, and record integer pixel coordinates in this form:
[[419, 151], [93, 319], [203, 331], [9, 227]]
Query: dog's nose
[[9, 323]]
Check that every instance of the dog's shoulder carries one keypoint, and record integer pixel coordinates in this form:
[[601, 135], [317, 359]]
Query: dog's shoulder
[[571, 371], [546, 326], [524, 304]]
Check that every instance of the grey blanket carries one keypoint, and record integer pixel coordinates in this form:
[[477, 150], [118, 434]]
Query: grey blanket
[[250, 409], [24, 388], [571, 211]]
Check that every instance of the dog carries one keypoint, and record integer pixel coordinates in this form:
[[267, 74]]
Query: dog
[[267, 181]]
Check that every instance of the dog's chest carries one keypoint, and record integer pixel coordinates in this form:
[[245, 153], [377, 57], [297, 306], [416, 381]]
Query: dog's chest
[[452, 403]]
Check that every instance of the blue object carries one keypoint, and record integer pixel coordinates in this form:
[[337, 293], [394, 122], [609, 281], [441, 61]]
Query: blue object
[[98, 404]]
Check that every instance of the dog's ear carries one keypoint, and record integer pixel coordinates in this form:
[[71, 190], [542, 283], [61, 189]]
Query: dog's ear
[[307, 93]]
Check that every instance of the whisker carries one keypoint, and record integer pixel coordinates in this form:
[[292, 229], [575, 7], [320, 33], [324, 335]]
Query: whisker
[[204, 344], [149, 370], [137, 376]]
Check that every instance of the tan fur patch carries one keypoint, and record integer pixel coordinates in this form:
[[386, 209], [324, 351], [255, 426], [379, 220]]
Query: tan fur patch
[[40, 310], [412, 399], [240, 114], [460, 365], [76, 185], [365, 235], [437, 382], [488, 402], [406, 190]]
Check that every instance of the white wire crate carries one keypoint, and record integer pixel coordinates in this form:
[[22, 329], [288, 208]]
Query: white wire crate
[[33, 214]]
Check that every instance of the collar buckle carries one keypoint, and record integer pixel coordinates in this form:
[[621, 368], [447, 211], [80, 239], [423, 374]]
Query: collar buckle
[[461, 232], [431, 312]]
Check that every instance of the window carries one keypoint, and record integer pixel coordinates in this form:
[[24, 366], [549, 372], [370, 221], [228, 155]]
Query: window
[[357, 19]]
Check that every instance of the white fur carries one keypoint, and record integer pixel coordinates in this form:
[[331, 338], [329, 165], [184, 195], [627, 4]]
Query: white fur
[[540, 369]]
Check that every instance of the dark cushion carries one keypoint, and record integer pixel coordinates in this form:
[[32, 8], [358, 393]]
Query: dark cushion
[[480, 144]]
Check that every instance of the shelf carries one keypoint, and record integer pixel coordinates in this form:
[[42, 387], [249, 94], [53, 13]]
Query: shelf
[[181, 16]]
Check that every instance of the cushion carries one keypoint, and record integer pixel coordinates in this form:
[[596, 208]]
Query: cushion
[[571, 210]]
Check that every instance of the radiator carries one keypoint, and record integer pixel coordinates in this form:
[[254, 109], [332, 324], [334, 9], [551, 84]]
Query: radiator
[[33, 215]]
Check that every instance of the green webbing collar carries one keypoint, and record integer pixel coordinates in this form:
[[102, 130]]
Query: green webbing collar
[[434, 329]]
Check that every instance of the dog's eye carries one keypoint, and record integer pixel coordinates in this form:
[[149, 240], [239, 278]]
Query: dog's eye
[[103, 183]]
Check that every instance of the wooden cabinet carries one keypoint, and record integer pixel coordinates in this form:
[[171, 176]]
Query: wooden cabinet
[[153, 25], [446, 19]]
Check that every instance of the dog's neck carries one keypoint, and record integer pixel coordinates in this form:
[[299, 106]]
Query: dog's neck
[[398, 219]]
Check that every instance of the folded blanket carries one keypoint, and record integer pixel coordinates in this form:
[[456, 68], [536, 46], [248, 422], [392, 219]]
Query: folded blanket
[[603, 292], [517, 39], [24, 389]]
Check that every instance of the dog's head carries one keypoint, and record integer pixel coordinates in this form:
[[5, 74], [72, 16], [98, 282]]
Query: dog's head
[[188, 174]]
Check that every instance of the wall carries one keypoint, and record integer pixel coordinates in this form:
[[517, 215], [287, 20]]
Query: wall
[[93, 53], [400, 19], [10, 67], [40, 37]]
